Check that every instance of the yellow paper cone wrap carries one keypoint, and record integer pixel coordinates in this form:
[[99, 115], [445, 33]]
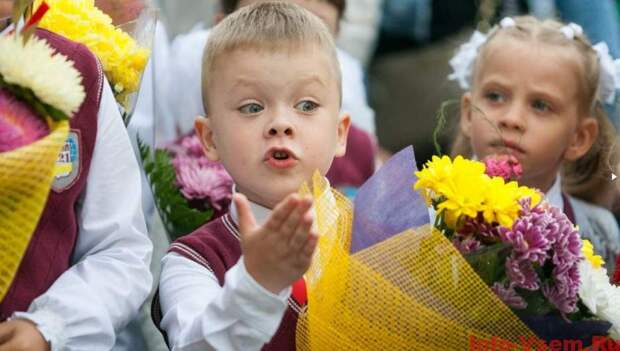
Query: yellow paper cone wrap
[[413, 291], [26, 175]]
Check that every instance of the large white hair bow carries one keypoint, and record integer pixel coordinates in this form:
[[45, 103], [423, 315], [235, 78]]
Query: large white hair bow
[[463, 62]]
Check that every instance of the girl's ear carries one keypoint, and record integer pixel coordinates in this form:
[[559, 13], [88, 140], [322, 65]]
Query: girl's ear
[[584, 137], [204, 130], [466, 114]]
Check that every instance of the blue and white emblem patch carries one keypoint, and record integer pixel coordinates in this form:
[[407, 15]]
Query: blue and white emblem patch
[[68, 163]]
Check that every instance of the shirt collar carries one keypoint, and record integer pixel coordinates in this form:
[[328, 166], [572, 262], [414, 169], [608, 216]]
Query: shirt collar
[[261, 213], [554, 195]]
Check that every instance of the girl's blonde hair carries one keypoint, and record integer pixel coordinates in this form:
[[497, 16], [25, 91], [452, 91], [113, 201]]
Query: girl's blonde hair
[[587, 177]]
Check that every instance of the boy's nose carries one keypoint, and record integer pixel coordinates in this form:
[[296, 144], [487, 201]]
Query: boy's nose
[[280, 126]]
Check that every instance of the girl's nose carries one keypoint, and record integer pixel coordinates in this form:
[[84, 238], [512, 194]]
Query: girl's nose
[[513, 118]]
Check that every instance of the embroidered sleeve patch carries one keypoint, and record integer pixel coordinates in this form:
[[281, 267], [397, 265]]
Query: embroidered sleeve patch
[[67, 166]]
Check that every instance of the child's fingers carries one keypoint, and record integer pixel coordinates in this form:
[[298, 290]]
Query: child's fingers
[[246, 218], [300, 237], [9, 345], [308, 249], [294, 220], [6, 332], [281, 212]]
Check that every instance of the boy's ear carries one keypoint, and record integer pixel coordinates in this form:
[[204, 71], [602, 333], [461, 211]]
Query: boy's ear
[[343, 132], [466, 114], [205, 134], [583, 139]]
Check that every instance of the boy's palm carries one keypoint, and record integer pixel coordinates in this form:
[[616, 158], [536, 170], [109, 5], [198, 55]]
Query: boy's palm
[[278, 252], [21, 335]]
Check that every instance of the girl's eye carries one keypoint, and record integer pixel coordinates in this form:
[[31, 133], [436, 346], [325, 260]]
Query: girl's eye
[[541, 106], [494, 96], [306, 106], [251, 108]]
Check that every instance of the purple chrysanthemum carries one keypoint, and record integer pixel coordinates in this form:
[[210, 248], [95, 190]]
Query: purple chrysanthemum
[[509, 296], [487, 233], [192, 146], [538, 235], [19, 124], [505, 166], [201, 179], [466, 245], [563, 291]]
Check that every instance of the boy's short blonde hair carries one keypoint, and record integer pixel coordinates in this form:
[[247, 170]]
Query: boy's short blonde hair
[[267, 26]]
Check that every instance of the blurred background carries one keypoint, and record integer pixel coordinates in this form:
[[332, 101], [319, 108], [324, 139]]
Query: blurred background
[[404, 47]]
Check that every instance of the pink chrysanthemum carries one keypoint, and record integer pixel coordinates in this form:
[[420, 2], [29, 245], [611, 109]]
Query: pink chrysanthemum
[[505, 166], [19, 124]]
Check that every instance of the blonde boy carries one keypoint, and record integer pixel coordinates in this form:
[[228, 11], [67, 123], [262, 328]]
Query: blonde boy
[[271, 82]]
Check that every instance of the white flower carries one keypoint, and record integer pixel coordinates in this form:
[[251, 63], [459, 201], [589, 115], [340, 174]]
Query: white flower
[[51, 76], [599, 295]]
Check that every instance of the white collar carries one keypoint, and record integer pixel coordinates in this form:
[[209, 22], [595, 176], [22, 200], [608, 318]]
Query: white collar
[[261, 213], [554, 195]]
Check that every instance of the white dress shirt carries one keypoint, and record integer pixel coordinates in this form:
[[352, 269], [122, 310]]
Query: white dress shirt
[[185, 83], [109, 276], [199, 314]]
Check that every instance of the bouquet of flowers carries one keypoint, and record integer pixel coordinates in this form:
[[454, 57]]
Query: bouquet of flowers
[[495, 254], [188, 189], [39, 91], [527, 251], [124, 55]]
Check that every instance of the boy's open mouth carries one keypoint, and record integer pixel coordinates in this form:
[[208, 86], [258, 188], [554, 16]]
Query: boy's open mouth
[[278, 157]]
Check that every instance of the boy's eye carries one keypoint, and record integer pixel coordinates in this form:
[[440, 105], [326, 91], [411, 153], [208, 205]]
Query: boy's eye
[[251, 108], [306, 106], [494, 96], [541, 105]]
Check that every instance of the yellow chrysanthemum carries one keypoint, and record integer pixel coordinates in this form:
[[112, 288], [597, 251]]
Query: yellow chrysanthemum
[[433, 177], [461, 188], [501, 202], [587, 250], [533, 194], [465, 199], [51, 76], [122, 59], [459, 185]]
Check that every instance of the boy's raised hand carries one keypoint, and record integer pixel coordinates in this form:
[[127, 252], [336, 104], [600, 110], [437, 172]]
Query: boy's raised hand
[[278, 252]]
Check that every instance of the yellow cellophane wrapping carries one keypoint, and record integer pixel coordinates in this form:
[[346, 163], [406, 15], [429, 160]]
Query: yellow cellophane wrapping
[[26, 176], [413, 291]]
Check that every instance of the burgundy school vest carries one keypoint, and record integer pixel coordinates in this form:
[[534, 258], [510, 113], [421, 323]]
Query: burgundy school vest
[[357, 165], [216, 246], [49, 252]]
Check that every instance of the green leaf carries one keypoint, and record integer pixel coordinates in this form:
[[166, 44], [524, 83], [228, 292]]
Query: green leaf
[[537, 303], [178, 217], [488, 262]]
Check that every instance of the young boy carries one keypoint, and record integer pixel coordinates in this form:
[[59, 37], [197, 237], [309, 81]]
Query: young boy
[[185, 102], [272, 91]]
